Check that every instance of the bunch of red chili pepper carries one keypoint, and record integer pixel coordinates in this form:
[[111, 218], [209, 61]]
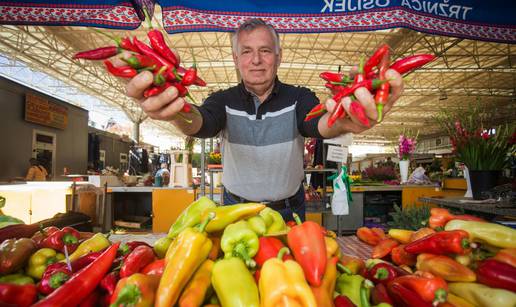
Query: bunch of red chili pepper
[[366, 76], [157, 58]]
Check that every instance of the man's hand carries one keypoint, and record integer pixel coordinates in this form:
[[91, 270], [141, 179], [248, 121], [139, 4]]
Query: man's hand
[[350, 123]]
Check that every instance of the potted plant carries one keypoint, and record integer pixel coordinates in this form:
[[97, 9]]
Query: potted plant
[[406, 147], [482, 147]]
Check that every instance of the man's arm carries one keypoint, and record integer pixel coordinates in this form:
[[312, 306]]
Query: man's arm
[[30, 174]]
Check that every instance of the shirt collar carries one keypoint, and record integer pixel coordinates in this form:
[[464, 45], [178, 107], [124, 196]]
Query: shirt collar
[[247, 94]]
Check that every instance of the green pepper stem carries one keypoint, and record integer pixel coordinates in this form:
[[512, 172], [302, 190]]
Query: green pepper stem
[[379, 110], [440, 296], [147, 18], [381, 274], [344, 268], [69, 239], [364, 295], [282, 252], [128, 296], [464, 243], [189, 121], [297, 219], [205, 222], [56, 280], [117, 40], [240, 250], [361, 65]]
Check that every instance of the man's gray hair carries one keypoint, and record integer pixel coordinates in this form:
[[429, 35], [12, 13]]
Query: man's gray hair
[[251, 24]]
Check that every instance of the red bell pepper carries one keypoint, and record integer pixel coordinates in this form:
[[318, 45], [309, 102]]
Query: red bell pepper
[[384, 248], [54, 277], [383, 272], [77, 288], [441, 243], [269, 248], [380, 295], [307, 243], [343, 301], [430, 288], [440, 216], [400, 257], [84, 261], [57, 239], [126, 248], [371, 236], [497, 275], [137, 260], [17, 295], [405, 297], [108, 283], [154, 268]]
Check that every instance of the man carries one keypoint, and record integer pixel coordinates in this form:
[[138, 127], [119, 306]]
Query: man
[[36, 171], [260, 121]]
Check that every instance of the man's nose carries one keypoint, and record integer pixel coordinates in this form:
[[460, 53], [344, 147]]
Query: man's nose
[[257, 58]]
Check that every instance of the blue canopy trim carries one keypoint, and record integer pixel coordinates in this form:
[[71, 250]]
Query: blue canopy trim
[[104, 14], [477, 19]]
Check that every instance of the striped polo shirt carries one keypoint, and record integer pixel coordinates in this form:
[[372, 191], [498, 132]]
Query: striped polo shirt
[[262, 143]]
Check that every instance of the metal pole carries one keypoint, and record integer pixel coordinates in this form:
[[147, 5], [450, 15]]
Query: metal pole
[[203, 167], [136, 131]]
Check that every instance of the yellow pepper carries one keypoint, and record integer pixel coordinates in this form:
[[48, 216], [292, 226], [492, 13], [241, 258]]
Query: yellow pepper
[[234, 284], [196, 289], [458, 301], [483, 296], [225, 215], [490, 233], [401, 235], [324, 293], [94, 244], [332, 247], [39, 261], [137, 290], [190, 248], [284, 284]]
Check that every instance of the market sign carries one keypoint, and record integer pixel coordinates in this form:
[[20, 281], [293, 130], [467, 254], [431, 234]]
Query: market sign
[[473, 19], [39, 110]]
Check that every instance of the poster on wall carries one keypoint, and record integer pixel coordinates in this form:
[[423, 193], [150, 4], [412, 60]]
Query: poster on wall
[[39, 110]]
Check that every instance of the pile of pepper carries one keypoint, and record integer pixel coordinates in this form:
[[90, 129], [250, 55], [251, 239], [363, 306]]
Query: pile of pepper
[[459, 260], [246, 255], [157, 58], [371, 75]]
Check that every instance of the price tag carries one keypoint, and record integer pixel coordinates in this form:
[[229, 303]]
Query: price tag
[[337, 154]]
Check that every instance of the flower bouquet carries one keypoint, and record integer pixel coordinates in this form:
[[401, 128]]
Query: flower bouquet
[[406, 147]]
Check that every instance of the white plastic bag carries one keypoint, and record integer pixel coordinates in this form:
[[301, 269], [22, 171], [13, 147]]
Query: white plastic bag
[[339, 200]]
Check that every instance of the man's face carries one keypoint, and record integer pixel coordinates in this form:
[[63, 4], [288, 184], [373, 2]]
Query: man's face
[[256, 57]]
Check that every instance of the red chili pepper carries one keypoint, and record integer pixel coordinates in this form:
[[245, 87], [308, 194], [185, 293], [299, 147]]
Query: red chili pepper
[[122, 71], [137, 260], [54, 277], [108, 283], [91, 300], [183, 91], [57, 239], [334, 77], [343, 301], [309, 249], [148, 51], [375, 59], [497, 275], [399, 256], [358, 110], [441, 243], [17, 295], [269, 247], [158, 43], [384, 272], [339, 112], [154, 268], [410, 63], [199, 82], [430, 288], [190, 76], [84, 261], [138, 61], [159, 77], [405, 297], [83, 283], [360, 76], [98, 54], [315, 111], [125, 43], [380, 295], [382, 94]]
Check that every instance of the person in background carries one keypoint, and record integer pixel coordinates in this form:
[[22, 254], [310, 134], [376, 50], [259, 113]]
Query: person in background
[[164, 173], [36, 171], [260, 121]]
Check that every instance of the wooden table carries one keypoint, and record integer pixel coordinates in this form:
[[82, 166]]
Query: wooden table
[[496, 207]]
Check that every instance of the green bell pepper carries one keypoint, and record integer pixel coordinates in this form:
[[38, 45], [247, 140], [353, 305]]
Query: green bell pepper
[[234, 284], [274, 221], [257, 224], [238, 240], [17, 279], [191, 216], [350, 286]]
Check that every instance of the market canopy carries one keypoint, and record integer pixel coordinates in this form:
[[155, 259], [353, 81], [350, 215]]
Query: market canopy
[[468, 66]]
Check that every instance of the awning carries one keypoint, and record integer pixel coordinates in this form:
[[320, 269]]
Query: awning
[[473, 19]]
